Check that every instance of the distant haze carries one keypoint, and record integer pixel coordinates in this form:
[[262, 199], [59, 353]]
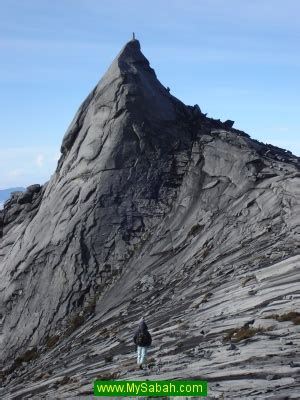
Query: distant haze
[[5, 194]]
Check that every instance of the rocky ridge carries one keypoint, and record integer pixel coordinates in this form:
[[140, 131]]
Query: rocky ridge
[[154, 209]]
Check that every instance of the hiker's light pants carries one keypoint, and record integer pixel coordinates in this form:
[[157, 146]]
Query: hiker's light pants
[[141, 354]]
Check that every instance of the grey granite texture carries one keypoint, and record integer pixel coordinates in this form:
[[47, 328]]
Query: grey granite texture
[[155, 210]]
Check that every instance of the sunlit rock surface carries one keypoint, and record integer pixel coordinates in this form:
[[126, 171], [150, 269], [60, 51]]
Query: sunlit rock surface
[[154, 210]]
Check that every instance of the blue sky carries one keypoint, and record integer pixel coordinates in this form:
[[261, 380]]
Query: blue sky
[[237, 59]]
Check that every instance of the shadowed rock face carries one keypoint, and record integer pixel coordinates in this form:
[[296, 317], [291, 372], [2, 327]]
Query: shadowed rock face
[[153, 210], [123, 158]]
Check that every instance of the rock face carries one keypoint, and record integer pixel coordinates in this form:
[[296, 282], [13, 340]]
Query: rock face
[[155, 210], [5, 194]]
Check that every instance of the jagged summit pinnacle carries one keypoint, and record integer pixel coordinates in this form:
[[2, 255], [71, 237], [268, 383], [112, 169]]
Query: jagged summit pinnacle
[[131, 51], [129, 88], [130, 55], [113, 181]]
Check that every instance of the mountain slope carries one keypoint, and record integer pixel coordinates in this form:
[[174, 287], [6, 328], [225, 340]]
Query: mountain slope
[[6, 193], [154, 210]]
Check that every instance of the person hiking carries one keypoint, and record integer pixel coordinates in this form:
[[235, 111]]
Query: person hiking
[[143, 340]]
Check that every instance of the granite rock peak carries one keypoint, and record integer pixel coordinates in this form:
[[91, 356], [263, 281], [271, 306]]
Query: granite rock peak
[[156, 210]]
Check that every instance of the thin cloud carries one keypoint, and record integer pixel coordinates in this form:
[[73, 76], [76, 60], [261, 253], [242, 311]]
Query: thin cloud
[[39, 160], [23, 166], [15, 173]]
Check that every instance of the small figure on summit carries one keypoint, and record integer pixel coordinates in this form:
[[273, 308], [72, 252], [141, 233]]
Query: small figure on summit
[[133, 36], [143, 340]]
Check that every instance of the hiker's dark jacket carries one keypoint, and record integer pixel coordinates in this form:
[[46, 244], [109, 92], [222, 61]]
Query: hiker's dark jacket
[[142, 336]]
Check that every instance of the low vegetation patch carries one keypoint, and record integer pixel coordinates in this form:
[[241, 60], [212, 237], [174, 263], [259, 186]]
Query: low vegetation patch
[[91, 306], [66, 380], [42, 375], [245, 332], [104, 333], [289, 316], [151, 362], [109, 376], [195, 229], [108, 358], [75, 322], [51, 341], [206, 251], [206, 297], [247, 279], [26, 357], [29, 355], [2, 376]]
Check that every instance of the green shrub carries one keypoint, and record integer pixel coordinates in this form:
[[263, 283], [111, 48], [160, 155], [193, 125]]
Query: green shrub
[[247, 279], [66, 379], [28, 356], [195, 229], [108, 358], [245, 332], [289, 316], [2, 375], [75, 322], [90, 307], [109, 376], [51, 341]]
